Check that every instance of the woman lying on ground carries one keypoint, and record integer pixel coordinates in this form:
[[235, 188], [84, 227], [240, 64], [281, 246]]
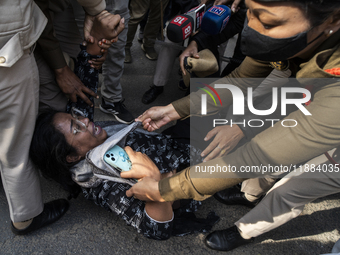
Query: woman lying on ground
[[69, 147]]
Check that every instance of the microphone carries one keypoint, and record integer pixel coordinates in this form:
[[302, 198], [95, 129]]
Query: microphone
[[197, 14], [215, 19], [180, 28]]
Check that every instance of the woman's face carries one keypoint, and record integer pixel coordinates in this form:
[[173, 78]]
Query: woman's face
[[282, 20], [83, 141], [276, 19]]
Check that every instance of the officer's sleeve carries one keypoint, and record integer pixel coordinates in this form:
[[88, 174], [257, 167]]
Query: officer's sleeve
[[276, 146]]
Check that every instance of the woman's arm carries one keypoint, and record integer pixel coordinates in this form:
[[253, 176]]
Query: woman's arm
[[160, 211], [276, 146], [156, 117]]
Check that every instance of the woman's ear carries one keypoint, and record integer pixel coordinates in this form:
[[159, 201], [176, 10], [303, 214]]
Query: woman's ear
[[334, 24], [72, 158]]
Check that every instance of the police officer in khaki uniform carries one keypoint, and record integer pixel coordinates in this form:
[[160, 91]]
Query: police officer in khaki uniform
[[308, 41], [19, 98]]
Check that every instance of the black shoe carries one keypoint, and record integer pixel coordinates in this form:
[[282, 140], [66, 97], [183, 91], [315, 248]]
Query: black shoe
[[128, 57], [52, 212], [140, 36], [234, 196], [182, 86], [226, 240], [150, 52], [118, 110], [151, 95]]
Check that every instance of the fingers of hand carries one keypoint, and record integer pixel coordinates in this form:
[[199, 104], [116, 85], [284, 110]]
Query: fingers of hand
[[90, 38], [146, 121], [151, 128], [234, 7], [89, 91], [210, 134], [215, 153], [127, 174], [145, 125], [129, 192], [114, 40], [73, 97], [183, 70], [85, 98], [143, 116], [121, 26], [97, 61], [104, 44], [96, 64], [154, 125], [212, 146], [116, 25], [130, 152], [181, 63]]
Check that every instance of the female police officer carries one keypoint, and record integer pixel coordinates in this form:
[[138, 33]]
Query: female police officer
[[304, 35]]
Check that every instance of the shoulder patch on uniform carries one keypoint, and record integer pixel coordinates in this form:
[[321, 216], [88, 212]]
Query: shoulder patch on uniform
[[280, 65]]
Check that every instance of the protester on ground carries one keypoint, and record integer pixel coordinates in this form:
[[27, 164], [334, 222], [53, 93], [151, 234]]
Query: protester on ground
[[66, 146]]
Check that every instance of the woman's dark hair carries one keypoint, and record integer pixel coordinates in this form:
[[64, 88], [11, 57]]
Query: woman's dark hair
[[48, 152], [317, 11]]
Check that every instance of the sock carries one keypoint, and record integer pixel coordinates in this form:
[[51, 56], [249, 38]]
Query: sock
[[22, 224], [244, 236], [250, 198]]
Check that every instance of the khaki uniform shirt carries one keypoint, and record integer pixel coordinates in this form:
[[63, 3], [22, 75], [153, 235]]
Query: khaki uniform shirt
[[277, 145], [21, 24], [49, 44]]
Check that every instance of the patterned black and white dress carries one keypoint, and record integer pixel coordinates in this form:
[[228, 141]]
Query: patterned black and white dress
[[167, 154], [164, 151], [89, 77]]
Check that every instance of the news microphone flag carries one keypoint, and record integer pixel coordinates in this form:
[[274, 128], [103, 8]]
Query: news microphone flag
[[180, 28], [197, 14], [215, 19]]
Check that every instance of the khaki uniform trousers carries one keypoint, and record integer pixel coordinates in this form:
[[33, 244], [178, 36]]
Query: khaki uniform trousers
[[138, 9], [288, 197], [68, 26], [69, 37], [19, 97]]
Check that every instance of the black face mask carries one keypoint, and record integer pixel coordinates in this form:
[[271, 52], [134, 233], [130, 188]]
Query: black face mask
[[265, 48]]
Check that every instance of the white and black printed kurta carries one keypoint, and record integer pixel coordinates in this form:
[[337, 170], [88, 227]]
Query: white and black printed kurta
[[167, 154]]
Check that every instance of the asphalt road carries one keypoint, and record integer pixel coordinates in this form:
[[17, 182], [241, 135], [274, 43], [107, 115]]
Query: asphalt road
[[89, 229]]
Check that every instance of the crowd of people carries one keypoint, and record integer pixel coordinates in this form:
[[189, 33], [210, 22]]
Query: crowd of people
[[47, 114]]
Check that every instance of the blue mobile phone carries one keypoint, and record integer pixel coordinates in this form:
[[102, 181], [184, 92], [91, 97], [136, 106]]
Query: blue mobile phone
[[118, 158]]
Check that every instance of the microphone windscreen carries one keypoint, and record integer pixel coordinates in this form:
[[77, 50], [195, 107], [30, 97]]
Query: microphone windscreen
[[180, 28], [215, 19]]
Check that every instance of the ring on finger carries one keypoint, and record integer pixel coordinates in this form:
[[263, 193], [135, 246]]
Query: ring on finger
[[223, 151], [219, 147]]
